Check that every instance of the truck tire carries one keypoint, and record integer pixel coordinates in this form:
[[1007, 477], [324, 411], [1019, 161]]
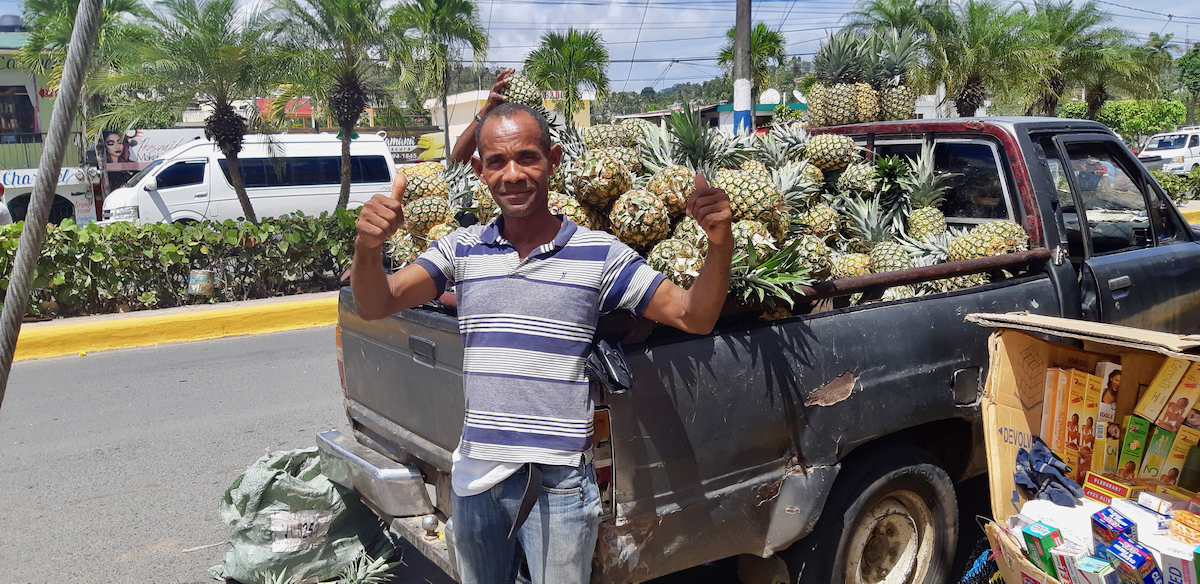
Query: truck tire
[[892, 518]]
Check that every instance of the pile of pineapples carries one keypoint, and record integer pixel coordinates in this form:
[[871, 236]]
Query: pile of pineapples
[[805, 208], [863, 78]]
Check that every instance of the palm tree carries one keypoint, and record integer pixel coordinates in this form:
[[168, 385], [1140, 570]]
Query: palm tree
[[351, 51], [1125, 67], [205, 50], [974, 47], [567, 61], [767, 48], [1070, 43], [440, 29], [883, 15]]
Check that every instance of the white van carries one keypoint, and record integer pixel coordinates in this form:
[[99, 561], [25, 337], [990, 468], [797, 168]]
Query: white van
[[1180, 150], [191, 182]]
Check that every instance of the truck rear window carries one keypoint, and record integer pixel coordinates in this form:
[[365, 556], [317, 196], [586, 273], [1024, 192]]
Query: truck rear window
[[308, 170], [976, 190]]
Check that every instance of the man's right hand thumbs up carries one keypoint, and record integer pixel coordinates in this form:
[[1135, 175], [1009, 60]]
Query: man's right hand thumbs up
[[382, 216]]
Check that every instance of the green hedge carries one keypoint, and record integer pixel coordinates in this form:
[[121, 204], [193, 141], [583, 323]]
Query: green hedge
[[1181, 188], [99, 269]]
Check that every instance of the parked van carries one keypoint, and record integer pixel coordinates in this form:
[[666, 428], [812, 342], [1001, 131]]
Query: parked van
[[1180, 150], [191, 183]]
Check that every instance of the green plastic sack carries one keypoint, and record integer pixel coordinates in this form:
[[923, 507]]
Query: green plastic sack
[[288, 519]]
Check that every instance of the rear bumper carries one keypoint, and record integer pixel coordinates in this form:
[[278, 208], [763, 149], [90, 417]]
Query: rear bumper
[[393, 488]]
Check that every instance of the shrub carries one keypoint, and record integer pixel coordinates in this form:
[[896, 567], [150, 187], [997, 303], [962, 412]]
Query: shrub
[[108, 268], [1181, 188]]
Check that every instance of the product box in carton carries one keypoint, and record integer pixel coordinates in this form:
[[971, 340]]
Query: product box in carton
[[1054, 409], [1110, 380], [1162, 502], [1013, 564], [1182, 400], [1093, 570], [1098, 495], [1185, 527], [1158, 448], [1134, 562], [1107, 526], [1107, 455], [1176, 559], [1120, 487], [1182, 493], [1136, 431], [1078, 412], [1065, 557], [1160, 390], [1147, 520], [1173, 465], [1039, 540], [1087, 426]]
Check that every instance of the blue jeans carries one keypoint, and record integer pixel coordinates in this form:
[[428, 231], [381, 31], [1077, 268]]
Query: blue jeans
[[558, 538]]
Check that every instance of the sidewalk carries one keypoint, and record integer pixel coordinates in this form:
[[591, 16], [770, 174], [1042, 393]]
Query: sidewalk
[[174, 325]]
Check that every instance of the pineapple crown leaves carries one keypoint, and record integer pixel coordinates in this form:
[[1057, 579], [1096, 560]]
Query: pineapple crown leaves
[[840, 59], [931, 251], [705, 151], [797, 188], [924, 182], [899, 52], [570, 140], [776, 278], [462, 180], [658, 149], [870, 222], [894, 176]]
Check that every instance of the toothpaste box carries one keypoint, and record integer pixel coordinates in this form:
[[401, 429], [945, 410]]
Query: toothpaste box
[[1162, 502], [1039, 540], [1147, 520], [1175, 559], [1134, 562], [1115, 485], [1158, 448], [1161, 388], [1107, 526], [1110, 383], [1093, 570], [1182, 399], [1065, 557], [1137, 431], [1186, 438]]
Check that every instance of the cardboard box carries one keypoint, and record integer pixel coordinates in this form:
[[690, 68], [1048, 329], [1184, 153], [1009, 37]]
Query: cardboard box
[[1180, 492], [1184, 440], [1011, 561], [1149, 522], [1117, 486], [1137, 432], [1177, 560], [1054, 411], [1077, 410], [1098, 495], [1107, 526], [1110, 383], [1162, 502], [1183, 399], [1107, 457], [1039, 540], [1066, 556], [1093, 570], [1160, 390], [1134, 562], [1158, 448]]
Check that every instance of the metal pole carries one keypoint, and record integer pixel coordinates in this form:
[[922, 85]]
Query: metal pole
[[743, 109], [16, 299]]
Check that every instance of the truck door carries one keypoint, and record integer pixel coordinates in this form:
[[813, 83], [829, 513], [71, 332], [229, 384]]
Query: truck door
[[1193, 153], [182, 191], [1136, 257]]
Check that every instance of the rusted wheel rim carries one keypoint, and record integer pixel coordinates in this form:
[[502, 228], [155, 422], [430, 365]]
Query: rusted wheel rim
[[892, 542]]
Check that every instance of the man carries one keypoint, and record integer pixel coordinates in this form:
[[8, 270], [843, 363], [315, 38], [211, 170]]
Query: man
[[531, 287]]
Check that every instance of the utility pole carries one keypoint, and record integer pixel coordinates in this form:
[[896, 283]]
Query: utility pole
[[743, 109]]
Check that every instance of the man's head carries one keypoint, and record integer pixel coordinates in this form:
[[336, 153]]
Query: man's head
[[516, 158]]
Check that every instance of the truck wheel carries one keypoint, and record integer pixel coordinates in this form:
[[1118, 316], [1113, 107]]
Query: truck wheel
[[891, 518]]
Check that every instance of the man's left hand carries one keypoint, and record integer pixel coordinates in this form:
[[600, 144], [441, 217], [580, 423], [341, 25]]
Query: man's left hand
[[710, 208]]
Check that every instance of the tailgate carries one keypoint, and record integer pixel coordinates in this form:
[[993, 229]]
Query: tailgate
[[404, 379]]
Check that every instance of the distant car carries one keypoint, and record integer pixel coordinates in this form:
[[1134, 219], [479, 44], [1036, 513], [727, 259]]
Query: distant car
[[1180, 150]]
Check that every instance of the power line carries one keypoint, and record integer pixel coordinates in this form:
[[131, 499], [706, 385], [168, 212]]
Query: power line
[[635, 44], [1169, 16]]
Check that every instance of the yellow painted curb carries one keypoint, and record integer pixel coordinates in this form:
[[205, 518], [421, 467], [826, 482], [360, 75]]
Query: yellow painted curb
[[1191, 216], [69, 338]]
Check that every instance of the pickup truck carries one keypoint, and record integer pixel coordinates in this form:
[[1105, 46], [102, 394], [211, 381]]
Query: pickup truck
[[819, 447]]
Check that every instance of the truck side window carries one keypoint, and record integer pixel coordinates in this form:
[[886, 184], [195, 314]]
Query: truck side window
[[976, 190], [181, 174], [1058, 172], [1195, 141], [1113, 204]]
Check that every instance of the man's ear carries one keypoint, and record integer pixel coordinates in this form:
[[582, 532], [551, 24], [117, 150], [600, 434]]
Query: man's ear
[[555, 157], [477, 166]]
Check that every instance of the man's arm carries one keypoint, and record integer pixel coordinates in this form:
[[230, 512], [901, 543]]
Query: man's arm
[[464, 147], [696, 309], [377, 295]]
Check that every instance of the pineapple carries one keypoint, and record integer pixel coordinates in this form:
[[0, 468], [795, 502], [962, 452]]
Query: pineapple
[[813, 173], [422, 214], [838, 64], [568, 207], [897, 293], [403, 249], [756, 169], [673, 186], [597, 218], [601, 179], [628, 157], [690, 231], [874, 231], [858, 179], [640, 219], [965, 247], [678, 260], [522, 90], [427, 168], [636, 126], [486, 205], [816, 105], [753, 238], [990, 239], [898, 103], [422, 185], [608, 136], [792, 180], [897, 57], [831, 151], [849, 265], [439, 231], [925, 194], [815, 256], [822, 221], [888, 256], [751, 197], [866, 103]]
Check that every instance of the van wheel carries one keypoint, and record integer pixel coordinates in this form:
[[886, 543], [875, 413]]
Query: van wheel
[[891, 518]]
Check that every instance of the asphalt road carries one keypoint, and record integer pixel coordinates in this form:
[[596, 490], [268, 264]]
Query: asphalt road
[[112, 465]]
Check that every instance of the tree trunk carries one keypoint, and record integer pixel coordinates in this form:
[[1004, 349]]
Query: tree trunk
[[969, 99], [239, 186], [344, 192]]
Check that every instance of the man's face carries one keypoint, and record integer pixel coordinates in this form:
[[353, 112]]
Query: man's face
[[514, 166]]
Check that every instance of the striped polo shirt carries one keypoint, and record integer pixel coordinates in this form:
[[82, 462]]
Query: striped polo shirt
[[527, 328]]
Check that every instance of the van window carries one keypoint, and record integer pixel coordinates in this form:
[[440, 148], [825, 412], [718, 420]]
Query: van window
[[1166, 142], [976, 188], [181, 174], [1195, 141], [308, 171]]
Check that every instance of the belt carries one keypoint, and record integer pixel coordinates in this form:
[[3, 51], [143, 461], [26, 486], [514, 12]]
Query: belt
[[533, 488]]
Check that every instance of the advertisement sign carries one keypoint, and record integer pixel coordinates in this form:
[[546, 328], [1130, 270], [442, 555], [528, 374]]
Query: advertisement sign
[[414, 144], [135, 149]]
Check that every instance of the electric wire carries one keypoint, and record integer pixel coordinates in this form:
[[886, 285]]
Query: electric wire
[[635, 44]]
